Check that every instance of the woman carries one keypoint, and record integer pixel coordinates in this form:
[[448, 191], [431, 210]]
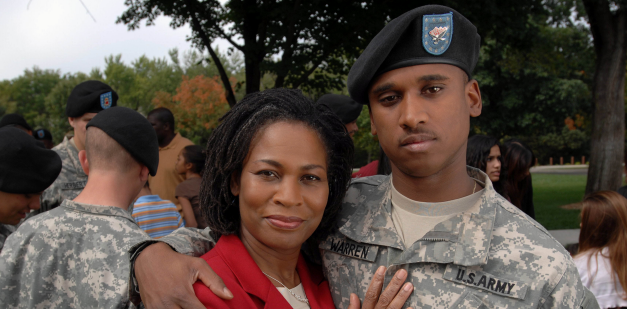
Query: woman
[[276, 172], [517, 162], [603, 248], [484, 152]]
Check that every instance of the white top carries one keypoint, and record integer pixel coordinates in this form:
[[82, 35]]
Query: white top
[[295, 303], [413, 219], [597, 277]]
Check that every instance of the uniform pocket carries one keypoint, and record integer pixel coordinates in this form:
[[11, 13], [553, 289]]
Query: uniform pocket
[[469, 300]]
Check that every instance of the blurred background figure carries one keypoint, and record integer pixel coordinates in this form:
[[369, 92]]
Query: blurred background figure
[[45, 137], [375, 167], [170, 145], [16, 120], [344, 107], [191, 163], [517, 162], [602, 257], [155, 216], [484, 152]]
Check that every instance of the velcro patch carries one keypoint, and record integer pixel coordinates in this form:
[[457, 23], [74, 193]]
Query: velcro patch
[[73, 185], [485, 281], [350, 248], [106, 100]]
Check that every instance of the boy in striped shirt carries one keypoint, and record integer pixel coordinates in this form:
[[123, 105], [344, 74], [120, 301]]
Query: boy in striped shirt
[[155, 216]]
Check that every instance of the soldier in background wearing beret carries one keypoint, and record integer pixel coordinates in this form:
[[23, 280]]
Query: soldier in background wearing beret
[[45, 137], [16, 120], [26, 170], [76, 255], [461, 244], [86, 100], [344, 107]]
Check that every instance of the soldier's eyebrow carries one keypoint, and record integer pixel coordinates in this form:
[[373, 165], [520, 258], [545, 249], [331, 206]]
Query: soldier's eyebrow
[[432, 78], [382, 88]]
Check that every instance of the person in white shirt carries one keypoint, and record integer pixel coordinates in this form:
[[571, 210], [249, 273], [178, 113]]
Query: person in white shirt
[[603, 248]]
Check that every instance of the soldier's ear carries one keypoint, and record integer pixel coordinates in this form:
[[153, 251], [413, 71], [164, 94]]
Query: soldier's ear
[[82, 158]]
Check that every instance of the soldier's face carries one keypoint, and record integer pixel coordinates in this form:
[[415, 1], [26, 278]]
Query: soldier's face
[[283, 187], [14, 207], [422, 116], [80, 128]]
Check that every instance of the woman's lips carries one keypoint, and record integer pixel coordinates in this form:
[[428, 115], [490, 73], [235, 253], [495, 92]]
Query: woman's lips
[[287, 223]]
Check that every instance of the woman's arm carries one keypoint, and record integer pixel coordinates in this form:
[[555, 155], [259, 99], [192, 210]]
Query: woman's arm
[[188, 212]]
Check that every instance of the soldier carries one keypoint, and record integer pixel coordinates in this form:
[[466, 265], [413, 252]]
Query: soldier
[[26, 169], [45, 137], [86, 100], [344, 107], [16, 120], [76, 255], [462, 244]]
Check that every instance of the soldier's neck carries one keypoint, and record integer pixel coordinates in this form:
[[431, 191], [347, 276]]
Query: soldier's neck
[[451, 183], [107, 190]]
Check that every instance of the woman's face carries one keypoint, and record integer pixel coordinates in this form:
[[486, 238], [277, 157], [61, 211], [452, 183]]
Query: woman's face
[[179, 166], [493, 165], [283, 187]]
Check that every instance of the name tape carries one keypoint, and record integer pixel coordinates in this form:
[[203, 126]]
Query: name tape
[[485, 281]]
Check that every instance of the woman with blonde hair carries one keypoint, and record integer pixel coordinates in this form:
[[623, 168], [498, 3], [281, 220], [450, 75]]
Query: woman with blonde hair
[[602, 257]]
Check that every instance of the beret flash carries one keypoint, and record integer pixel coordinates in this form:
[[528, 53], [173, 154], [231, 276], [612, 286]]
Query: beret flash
[[25, 166], [41, 134], [91, 96], [14, 119], [424, 35], [343, 106], [133, 132]]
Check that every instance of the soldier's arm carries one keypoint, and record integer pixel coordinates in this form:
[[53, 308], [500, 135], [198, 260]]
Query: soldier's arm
[[570, 292]]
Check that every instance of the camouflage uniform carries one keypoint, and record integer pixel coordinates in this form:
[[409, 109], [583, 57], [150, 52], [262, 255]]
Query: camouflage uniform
[[497, 258], [5, 231], [75, 256], [70, 182]]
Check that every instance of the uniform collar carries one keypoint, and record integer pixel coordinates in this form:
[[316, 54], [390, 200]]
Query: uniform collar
[[463, 239], [173, 142], [97, 209], [253, 281]]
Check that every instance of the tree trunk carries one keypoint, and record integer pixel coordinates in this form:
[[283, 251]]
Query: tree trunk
[[608, 124], [254, 35]]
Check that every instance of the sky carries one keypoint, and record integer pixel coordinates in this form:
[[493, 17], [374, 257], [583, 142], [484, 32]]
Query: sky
[[60, 34]]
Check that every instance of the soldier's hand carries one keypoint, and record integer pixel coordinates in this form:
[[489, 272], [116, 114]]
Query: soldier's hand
[[393, 297], [165, 278]]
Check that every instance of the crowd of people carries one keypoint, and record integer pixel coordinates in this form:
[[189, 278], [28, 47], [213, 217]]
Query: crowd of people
[[127, 212]]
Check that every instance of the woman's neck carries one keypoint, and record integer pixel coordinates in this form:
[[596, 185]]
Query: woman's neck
[[278, 263], [189, 174]]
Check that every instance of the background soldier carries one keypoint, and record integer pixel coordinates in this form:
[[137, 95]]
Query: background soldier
[[45, 137], [86, 100], [344, 107], [76, 255], [26, 169], [462, 244]]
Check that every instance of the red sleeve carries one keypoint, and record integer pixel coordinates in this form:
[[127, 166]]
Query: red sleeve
[[369, 169]]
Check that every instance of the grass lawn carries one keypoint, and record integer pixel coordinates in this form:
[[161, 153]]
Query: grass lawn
[[550, 191]]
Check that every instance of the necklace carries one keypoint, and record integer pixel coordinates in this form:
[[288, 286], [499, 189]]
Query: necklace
[[475, 188], [300, 298]]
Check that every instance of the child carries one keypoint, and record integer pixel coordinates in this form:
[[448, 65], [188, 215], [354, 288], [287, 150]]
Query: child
[[190, 163], [603, 248], [76, 255], [155, 216]]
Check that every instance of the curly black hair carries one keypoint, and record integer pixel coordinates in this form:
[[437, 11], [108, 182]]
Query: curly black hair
[[229, 144]]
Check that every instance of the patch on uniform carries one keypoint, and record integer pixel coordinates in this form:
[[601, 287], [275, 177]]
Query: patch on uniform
[[73, 185], [106, 99], [40, 133], [350, 248], [485, 281], [437, 33]]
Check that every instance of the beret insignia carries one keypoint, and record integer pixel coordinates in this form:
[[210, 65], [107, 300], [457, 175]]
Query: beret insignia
[[106, 99], [40, 133], [437, 33]]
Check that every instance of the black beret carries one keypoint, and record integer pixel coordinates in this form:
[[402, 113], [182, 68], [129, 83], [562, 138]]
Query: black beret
[[41, 134], [25, 167], [133, 132], [14, 119], [424, 35], [343, 106], [91, 96]]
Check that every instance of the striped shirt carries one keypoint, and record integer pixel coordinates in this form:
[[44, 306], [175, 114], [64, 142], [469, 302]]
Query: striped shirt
[[155, 216]]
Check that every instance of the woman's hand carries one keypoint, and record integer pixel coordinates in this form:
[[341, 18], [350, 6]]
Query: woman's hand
[[394, 296], [165, 278]]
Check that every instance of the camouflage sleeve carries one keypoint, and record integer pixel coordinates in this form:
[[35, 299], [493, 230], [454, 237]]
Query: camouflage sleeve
[[570, 292]]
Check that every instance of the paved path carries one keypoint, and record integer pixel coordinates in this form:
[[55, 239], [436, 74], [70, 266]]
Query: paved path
[[566, 237], [560, 169]]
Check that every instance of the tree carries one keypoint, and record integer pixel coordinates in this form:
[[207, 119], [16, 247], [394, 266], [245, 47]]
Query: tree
[[608, 25]]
